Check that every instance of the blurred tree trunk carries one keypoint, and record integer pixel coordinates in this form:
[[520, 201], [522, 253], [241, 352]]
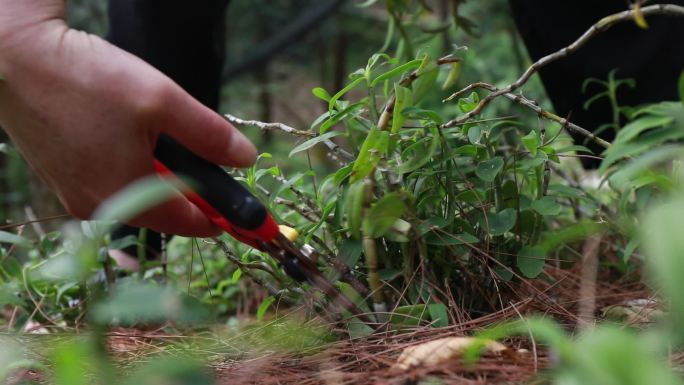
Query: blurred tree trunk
[[263, 81], [3, 180]]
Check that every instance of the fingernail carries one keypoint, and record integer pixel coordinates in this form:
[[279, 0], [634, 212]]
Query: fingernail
[[241, 150]]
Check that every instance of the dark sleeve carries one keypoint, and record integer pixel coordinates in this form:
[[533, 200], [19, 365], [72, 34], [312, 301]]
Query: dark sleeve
[[182, 38], [185, 40], [653, 57]]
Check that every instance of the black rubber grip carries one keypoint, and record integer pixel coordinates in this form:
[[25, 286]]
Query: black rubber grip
[[213, 184]]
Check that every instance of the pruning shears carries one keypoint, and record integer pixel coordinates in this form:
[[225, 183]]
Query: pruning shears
[[235, 210]]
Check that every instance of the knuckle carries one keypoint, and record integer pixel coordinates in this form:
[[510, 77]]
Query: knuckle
[[152, 101]]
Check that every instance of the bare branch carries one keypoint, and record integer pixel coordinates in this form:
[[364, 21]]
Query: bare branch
[[247, 270], [532, 105], [601, 26], [334, 149], [388, 111], [269, 126]]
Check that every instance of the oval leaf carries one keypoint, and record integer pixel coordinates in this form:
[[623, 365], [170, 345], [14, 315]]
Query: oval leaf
[[531, 261], [501, 222], [382, 216], [489, 169], [314, 141], [547, 206], [14, 239]]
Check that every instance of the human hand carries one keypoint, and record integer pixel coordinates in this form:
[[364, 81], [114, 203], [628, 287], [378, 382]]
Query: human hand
[[86, 115]]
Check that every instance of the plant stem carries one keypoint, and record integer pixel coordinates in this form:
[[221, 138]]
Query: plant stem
[[142, 252]]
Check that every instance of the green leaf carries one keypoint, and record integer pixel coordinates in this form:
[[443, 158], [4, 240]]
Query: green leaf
[[399, 231], [421, 114], [424, 84], [632, 245], [324, 117], [681, 87], [388, 275], [382, 215], [132, 302], [182, 370], [574, 148], [136, 198], [372, 150], [445, 239], [9, 295], [452, 77], [635, 168], [354, 207], [551, 153], [236, 275], [403, 99], [432, 224], [350, 252], [357, 328], [339, 116], [501, 222], [14, 239], [663, 243], [263, 308], [333, 101], [489, 169], [633, 129], [467, 150], [547, 206], [122, 243], [321, 93], [552, 239], [531, 142], [468, 104], [531, 260], [646, 142], [71, 360], [438, 315], [314, 141], [474, 134], [567, 191], [421, 152], [342, 174], [410, 315], [397, 71]]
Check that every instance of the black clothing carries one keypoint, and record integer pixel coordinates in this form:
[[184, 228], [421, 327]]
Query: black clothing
[[185, 40]]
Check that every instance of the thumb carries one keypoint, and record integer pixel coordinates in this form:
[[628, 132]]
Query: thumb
[[205, 132]]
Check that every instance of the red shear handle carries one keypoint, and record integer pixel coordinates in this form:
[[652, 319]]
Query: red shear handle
[[225, 201]]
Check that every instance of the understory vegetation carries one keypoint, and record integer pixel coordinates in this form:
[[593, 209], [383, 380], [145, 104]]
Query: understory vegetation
[[444, 197]]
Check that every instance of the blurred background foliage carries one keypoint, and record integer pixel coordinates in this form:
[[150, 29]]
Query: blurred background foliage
[[279, 89], [56, 275]]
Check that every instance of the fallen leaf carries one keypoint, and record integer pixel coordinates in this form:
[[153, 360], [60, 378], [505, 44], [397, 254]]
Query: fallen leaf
[[439, 351], [634, 313]]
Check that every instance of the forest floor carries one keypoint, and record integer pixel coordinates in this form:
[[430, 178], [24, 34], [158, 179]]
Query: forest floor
[[372, 359]]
